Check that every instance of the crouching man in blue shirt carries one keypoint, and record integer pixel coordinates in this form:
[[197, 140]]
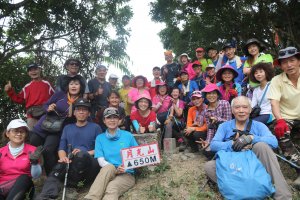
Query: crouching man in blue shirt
[[260, 137], [83, 166], [113, 180]]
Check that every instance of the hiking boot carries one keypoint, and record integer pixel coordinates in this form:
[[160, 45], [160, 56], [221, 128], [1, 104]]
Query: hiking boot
[[289, 150]]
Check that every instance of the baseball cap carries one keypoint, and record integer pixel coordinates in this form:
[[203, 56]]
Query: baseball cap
[[155, 68], [113, 76], [82, 102], [200, 49], [32, 65], [228, 45], [197, 93], [111, 111], [17, 123], [196, 63], [210, 66]]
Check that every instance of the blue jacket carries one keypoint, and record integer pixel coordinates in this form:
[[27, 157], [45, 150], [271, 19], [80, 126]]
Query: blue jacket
[[259, 130], [193, 87]]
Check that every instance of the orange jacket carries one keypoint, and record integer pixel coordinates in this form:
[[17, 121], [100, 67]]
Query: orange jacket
[[191, 117]]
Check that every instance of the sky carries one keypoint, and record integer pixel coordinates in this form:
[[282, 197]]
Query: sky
[[144, 47]]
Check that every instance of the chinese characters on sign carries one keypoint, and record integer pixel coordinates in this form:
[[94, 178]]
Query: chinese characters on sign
[[140, 156]]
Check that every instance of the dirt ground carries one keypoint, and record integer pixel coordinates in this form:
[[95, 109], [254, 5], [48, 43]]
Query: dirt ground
[[180, 177]]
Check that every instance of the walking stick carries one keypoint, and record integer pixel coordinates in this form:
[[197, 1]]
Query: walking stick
[[67, 170]]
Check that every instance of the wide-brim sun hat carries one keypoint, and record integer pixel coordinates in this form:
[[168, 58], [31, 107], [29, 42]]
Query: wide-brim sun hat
[[226, 67], [252, 41], [143, 96], [286, 53], [183, 54], [139, 77], [210, 88], [159, 85], [73, 59]]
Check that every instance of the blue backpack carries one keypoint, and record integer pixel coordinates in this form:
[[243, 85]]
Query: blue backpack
[[240, 175]]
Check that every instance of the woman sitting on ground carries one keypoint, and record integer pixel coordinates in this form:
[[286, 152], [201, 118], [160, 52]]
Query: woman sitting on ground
[[59, 104], [174, 123], [228, 88], [216, 112], [18, 163], [144, 118], [196, 123], [262, 73], [112, 180], [114, 100]]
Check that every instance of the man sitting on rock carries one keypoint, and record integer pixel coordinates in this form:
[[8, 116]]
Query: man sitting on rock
[[284, 95], [83, 167], [261, 139]]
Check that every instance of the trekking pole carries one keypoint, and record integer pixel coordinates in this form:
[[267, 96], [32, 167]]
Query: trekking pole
[[67, 170], [288, 161]]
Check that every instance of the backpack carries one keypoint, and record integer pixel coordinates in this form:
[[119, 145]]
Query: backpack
[[240, 175]]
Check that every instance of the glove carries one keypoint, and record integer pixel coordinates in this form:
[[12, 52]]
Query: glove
[[280, 128], [241, 142], [34, 157], [233, 92]]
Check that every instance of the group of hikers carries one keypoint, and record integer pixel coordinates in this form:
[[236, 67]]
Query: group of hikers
[[218, 102]]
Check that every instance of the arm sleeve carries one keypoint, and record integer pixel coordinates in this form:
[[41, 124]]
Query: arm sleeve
[[102, 162], [98, 148], [218, 143], [239, 89], [189, 122], [254, 98], [264, 135], [274, 90], [63, 140], [36, 171], [17, 98]]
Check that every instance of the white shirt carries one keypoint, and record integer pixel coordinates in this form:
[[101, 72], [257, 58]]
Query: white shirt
[[266, 104]]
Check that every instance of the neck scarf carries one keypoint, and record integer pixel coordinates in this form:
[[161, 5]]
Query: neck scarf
[[70, 102], [15, 151], [237, 60], [186, 89], [115, 136]]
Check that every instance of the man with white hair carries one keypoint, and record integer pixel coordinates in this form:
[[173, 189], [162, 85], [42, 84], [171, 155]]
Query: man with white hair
[[261, 139]]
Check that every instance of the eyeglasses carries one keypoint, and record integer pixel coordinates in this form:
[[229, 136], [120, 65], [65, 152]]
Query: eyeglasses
[[289, 51], [74, 63], [18, 131]]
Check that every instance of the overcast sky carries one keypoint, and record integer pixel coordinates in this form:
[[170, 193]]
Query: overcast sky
[[144, 46]]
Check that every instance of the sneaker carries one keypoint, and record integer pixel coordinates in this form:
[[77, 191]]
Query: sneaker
[[290, 151]]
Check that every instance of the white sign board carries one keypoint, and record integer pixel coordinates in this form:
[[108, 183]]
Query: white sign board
[[139, 156]]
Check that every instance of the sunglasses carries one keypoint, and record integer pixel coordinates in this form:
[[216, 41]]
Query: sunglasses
[[74, 63], [287, 52]]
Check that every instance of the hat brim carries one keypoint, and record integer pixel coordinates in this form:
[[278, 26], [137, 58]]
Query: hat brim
[[220, 72], [111, 115], [260, 46]]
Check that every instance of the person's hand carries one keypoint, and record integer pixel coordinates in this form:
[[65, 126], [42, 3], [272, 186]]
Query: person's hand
[[120, 170], [221, 53], [241, 142], [8, 86], [142, 129], [64, 160], [35, 156], [51, 107], [165, 71], [203, 143], [75, 151], [233, 92], [281, 128], [188, 131], [151, 128], [213, 120]]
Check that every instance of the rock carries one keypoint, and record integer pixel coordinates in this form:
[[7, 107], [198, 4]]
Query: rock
[[71, 194], [190, 155], [169, 145], [183, 157], [148, 138]]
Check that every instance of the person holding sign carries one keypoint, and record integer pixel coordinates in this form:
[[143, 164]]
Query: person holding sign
[[113, 180]]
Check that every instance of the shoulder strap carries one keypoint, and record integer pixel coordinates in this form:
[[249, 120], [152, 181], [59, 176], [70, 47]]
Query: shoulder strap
[[249, 126], [263, 95]]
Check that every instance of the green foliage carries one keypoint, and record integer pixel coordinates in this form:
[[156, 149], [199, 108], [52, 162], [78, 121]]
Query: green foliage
[[158, 191], [190, 23], [50, 31], [163, 166]]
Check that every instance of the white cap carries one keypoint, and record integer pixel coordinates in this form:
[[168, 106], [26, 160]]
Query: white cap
[[17, 123], [113, 76]]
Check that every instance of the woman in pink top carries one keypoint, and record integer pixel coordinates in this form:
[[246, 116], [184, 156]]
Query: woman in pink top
[[18, 163], [139, 88]]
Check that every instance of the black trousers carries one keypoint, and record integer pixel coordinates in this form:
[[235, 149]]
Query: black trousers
[[195, 136], [21, 187], [83, 168], [50, 143]]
